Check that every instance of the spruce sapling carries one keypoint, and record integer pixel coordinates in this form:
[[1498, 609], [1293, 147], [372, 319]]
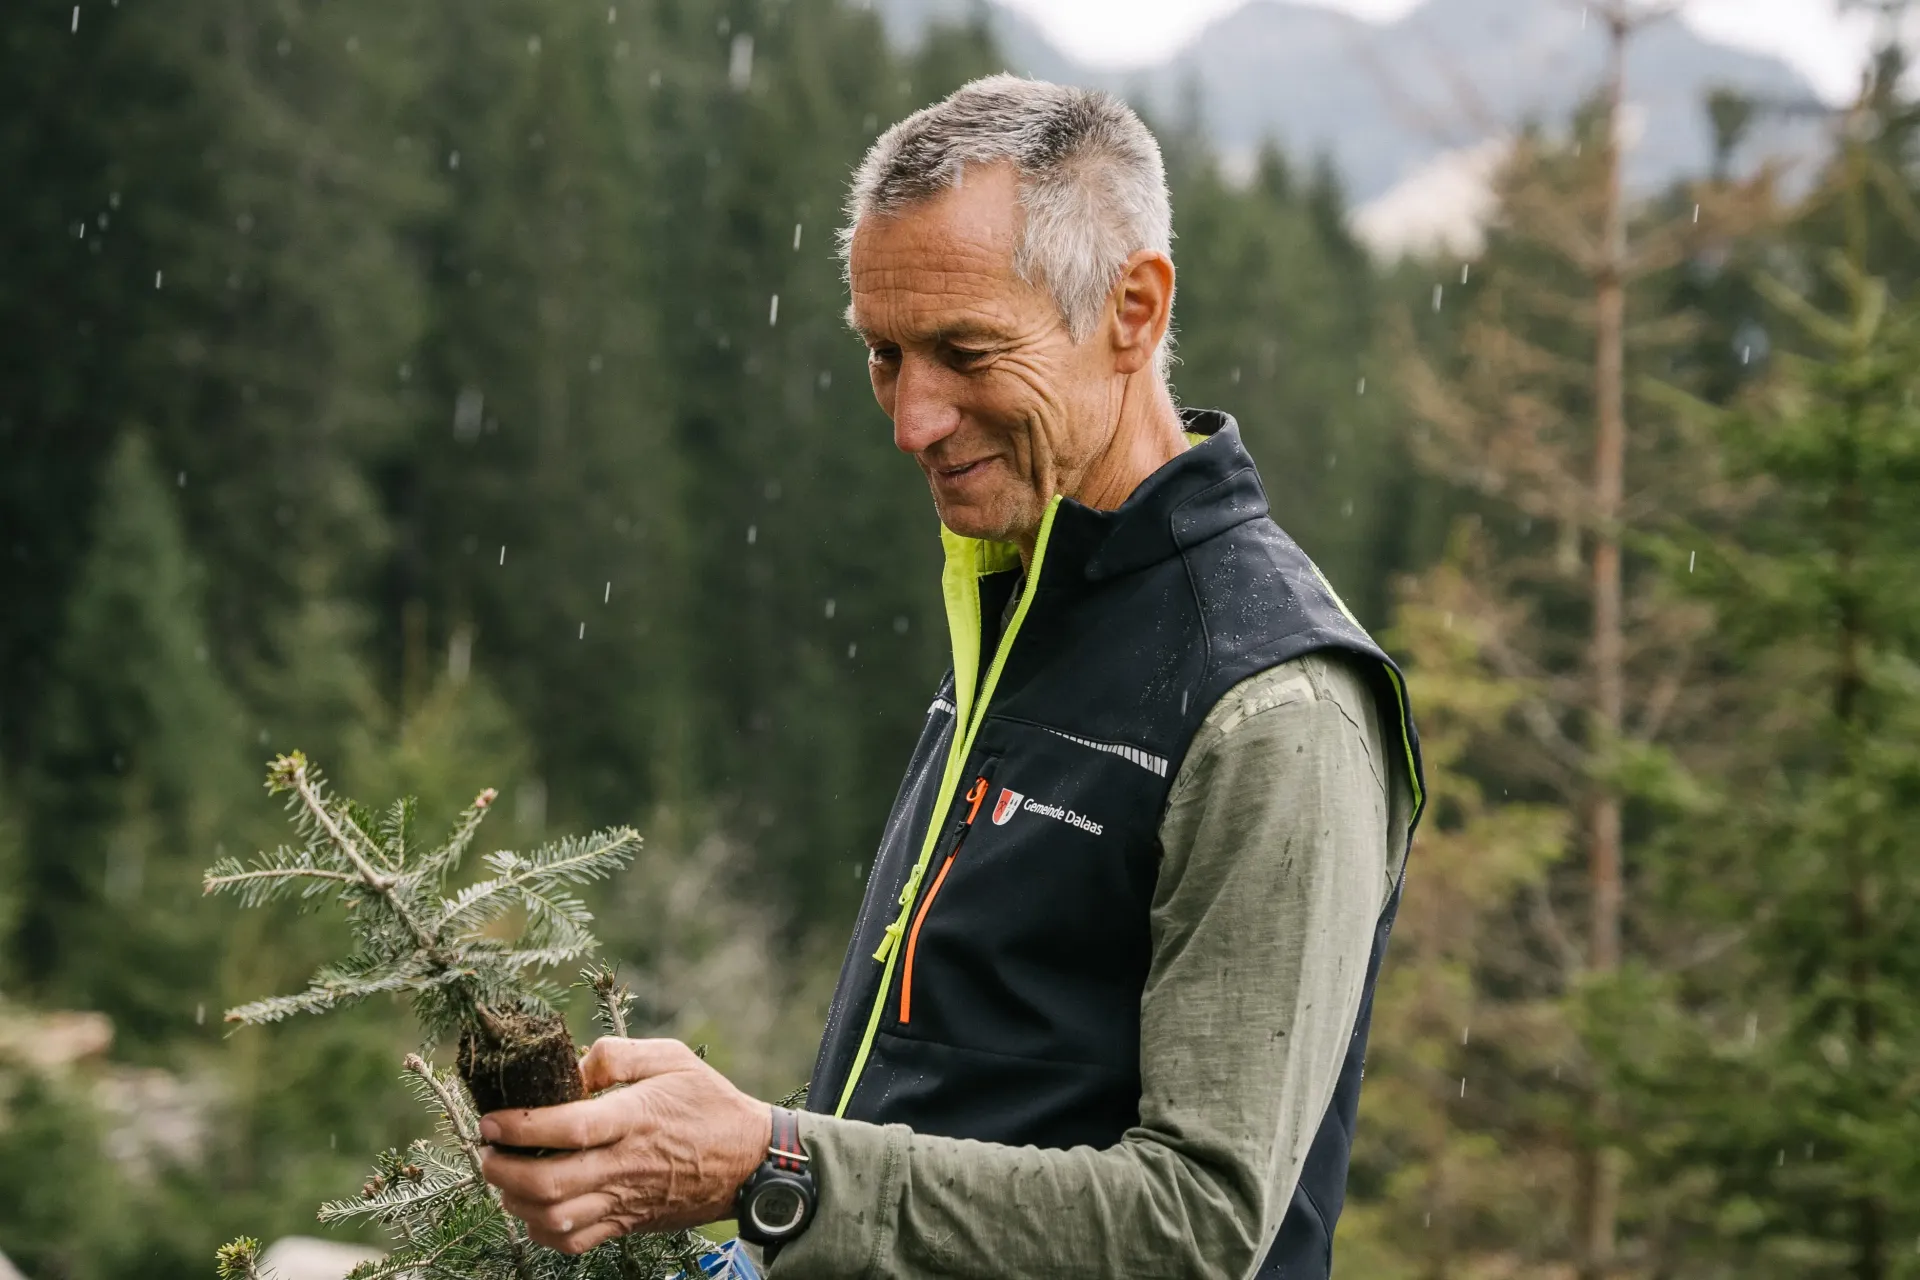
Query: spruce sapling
[[445, 952]]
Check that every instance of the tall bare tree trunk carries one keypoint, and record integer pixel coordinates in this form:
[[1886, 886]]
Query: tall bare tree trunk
[[1599, 1174], [1869, 1254]]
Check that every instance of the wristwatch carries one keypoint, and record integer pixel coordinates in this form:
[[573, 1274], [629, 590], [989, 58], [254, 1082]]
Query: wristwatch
[[776, 1203]]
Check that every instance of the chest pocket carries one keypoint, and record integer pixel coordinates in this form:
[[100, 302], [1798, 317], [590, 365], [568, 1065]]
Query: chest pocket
[[1030, 937]]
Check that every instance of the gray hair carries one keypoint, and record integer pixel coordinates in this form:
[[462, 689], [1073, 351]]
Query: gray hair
[[1092, 185]]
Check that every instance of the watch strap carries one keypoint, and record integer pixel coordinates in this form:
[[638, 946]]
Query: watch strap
[[785, 1152]]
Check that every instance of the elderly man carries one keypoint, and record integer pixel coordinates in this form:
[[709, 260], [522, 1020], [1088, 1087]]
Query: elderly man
[[1106, 1003]]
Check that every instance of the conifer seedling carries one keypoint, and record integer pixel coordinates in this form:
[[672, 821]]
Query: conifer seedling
[[450, 954]]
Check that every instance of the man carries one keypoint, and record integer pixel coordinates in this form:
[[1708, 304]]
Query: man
[[1105, 1006]]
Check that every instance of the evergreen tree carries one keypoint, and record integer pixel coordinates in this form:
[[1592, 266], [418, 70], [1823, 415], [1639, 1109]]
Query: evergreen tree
[[1278, 320], [442, 949], [1451, 1176], [1781, 1087], [137, 740], [1544, 414]]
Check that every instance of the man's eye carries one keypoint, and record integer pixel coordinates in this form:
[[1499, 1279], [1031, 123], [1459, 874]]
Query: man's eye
[[883, 355], [965, 356]]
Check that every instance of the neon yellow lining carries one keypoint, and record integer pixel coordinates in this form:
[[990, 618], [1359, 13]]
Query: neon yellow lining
[[1399, 694], [968, 560]]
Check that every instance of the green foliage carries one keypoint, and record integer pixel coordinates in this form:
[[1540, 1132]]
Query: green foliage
[[61, 1200], [445, 953], [1810, 842], [135, 743]]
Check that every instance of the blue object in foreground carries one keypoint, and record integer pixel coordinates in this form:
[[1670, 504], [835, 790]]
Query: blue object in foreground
[[728, 1262]]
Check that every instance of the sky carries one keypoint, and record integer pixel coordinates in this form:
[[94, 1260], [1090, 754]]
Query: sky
[[1827, 48]]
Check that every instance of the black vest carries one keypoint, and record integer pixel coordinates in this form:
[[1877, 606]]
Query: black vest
[[992, 987]]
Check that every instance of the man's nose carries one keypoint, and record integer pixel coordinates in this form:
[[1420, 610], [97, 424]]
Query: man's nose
[[925, 410]]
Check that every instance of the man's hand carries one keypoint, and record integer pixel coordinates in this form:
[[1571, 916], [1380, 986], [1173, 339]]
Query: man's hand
[[667, 1152]]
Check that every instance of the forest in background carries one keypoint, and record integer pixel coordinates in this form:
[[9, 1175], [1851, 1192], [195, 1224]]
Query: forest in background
[[458, 392]]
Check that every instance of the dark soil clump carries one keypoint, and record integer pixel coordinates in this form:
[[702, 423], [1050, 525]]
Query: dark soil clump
[[520, 1060]]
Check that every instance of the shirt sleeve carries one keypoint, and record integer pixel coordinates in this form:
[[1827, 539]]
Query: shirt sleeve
[[1276, 862]]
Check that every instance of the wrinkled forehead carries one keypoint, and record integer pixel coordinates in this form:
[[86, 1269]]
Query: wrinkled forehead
[[941, 262]]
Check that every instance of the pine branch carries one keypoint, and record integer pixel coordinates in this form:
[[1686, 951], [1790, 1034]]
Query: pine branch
[[469, 1138], [240, 1260], [290, 772], [611, 997], [443, 952]]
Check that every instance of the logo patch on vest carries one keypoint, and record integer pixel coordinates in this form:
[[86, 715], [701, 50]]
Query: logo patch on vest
[[1012, 802]]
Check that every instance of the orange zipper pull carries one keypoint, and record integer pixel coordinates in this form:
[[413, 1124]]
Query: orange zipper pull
[[977, 794]]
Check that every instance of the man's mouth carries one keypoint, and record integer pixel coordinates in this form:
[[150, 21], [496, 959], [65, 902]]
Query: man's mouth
[[962, 471]]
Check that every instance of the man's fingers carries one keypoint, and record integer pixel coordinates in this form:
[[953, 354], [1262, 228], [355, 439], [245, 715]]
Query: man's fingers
[[571, 1126], [533, 1182], [613, 1060], [565, 1218], [579, 1241]]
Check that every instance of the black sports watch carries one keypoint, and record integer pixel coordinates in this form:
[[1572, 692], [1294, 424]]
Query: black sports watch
[[776, 1203]]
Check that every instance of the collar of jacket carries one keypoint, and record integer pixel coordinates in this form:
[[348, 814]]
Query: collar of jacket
[[1208, 489]]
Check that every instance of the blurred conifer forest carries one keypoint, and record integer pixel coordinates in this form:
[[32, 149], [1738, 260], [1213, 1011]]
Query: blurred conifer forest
[[457, 390]]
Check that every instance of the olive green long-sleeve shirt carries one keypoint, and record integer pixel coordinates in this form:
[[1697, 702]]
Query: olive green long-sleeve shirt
[[1282, 839]]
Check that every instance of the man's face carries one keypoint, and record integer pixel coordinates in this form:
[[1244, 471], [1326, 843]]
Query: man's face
[[984, 383]]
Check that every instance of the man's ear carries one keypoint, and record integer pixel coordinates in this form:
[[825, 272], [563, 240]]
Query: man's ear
[[1142, 304]]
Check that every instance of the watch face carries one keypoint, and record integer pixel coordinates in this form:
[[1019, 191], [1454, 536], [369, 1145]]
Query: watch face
[[777, 1207]]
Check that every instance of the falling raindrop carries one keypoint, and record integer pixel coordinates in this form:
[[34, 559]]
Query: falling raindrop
[[1746, 355], [583, 631], [1465, 267], [1234, 377], [753, 534], [607, 595], [1463, 1035], [1427, 1220], [181, 480], [503, 553], [1439, 291], [773, 311], [1696, 213], [1362, 388], [1463, 1086], [157, 276], [1690, 556], [740, 61], [796, 237], [830, 606], [453, 159], [610, 13], [852, 649], [76, 18], [200, 1009]]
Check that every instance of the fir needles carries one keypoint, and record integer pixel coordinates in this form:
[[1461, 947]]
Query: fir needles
[[453, 954]]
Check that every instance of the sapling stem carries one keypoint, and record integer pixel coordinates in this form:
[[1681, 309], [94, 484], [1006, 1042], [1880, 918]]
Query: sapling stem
[[383, 885], [470, 1144]]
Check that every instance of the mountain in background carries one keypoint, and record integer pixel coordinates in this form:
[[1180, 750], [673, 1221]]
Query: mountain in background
[[1406, 109]]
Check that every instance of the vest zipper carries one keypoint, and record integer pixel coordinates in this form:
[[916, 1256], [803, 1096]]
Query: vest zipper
[[974, 797], [960, 585]]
